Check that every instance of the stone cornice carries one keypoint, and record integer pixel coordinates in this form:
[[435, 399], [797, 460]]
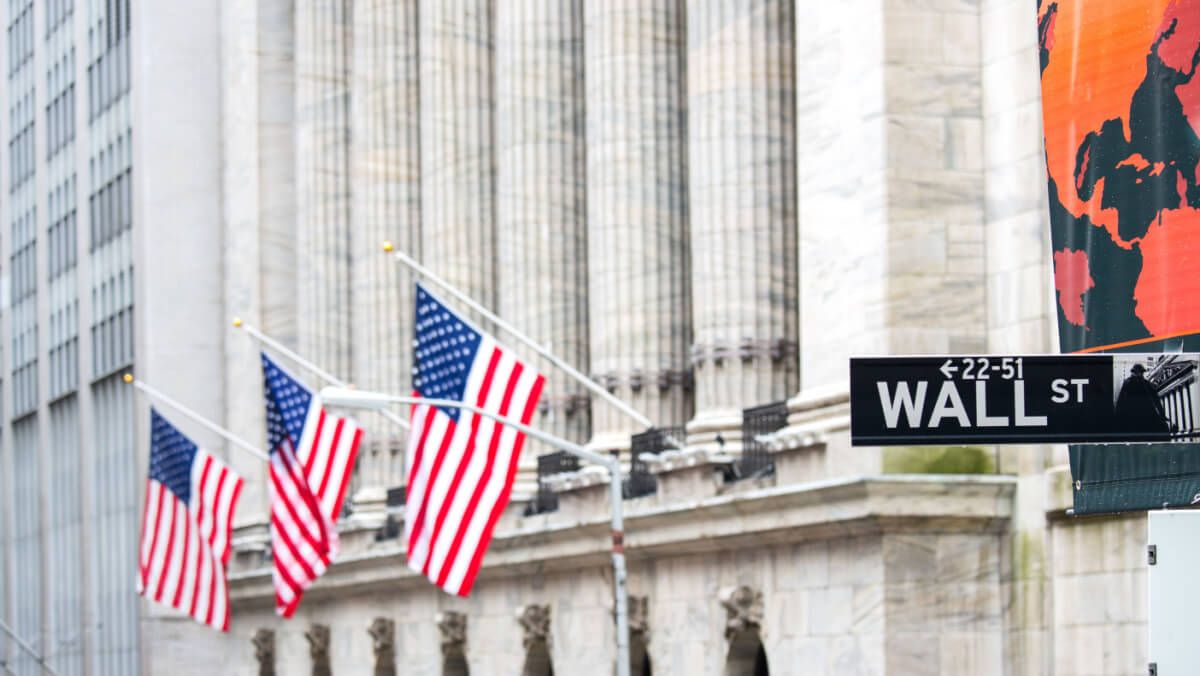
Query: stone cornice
[[824, 509]]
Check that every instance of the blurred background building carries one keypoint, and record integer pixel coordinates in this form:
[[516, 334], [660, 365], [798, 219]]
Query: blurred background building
[[706, 205]]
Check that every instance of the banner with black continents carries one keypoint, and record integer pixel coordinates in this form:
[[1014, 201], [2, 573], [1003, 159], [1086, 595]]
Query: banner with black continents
[[995, 399], [1121, 113]]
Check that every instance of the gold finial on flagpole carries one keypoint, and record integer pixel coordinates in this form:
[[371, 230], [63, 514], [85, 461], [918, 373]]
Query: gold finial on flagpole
[[387, 245], [128, 378], [237, 322]]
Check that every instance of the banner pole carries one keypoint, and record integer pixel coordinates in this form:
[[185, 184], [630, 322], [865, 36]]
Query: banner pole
[[25, 646], [211, 426], [329, 378], [512, 330]]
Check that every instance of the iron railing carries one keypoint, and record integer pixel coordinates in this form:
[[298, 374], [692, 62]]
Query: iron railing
[[755, 461], [546, 500], [391, 525], [640, 482]]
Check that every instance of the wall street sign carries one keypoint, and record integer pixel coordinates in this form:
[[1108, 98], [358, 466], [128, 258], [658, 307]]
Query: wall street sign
[[995, 399]]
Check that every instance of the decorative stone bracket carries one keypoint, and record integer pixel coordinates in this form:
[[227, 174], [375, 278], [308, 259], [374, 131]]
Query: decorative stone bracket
[[535, 621], [743, 608], [453, 627], [264, 651], [318, 649], [383, 644]]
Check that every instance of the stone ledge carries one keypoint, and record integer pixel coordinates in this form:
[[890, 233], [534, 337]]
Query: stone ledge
[[672, 461], [782, 514], [583, 478]]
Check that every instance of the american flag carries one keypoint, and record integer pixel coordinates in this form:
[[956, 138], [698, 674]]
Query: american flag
[[190, 498], [460, 465], [312, 459]]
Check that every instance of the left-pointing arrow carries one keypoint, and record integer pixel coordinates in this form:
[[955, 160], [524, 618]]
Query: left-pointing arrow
[[948, 369]]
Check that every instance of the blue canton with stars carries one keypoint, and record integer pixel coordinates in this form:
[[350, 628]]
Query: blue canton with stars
[[445, 348], [287, 405], [171, 457]]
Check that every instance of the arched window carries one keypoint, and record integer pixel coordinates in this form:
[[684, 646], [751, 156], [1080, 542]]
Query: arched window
[[454, 662], [746, 655]]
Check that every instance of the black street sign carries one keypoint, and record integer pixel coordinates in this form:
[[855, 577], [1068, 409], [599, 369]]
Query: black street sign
[[998, 399]]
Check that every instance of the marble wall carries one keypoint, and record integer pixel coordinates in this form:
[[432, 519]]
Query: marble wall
[[707, 206], [1098, 596]]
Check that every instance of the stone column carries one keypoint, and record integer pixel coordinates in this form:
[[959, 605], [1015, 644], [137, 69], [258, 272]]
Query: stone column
[[640, 314], [386, 205], [259, 208], [742, 162], [541, 233], [322, 182], [457, 145]]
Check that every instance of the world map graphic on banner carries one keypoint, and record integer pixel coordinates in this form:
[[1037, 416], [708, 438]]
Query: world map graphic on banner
[[1121, 106]]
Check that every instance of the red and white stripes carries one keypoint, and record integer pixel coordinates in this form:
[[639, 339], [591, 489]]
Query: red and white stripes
[[461, 474], [186, 545]]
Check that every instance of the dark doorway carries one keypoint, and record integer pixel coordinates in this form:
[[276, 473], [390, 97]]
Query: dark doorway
[[537, 660], [639, 656], [747, 657], [455, 663]]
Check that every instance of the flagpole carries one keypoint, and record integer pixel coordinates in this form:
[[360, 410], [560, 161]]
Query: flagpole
[[25, 646], [470, 302], [328, 377], [340, 396], [211, 426]]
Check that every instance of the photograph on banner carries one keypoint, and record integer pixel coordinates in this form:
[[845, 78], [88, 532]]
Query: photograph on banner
[[1157, 393]]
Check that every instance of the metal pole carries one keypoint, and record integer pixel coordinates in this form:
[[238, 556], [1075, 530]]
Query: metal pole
[[211, 426], [329, 378], [342, 397], [571, 370], [620, 592], [25, 646]]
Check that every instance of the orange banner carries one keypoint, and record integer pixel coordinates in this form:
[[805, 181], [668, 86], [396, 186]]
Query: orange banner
[[1122, 130]]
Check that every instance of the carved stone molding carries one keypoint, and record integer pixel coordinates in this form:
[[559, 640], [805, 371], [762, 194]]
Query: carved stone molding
[[636, 379], [568, 404], [383, 644], [264, 651], [318, 649], [639, 616], [746, 349], [453, 626], [743, 608], [535, 621]]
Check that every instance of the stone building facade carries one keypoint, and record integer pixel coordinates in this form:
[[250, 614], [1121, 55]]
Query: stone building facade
[[707, 206]]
